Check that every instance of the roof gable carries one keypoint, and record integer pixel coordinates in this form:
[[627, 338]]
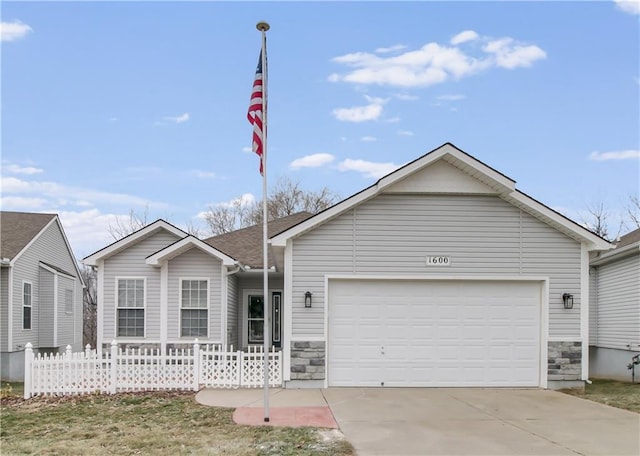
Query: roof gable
[[19, 229], [449, 161], [185, 244], [131, 239]]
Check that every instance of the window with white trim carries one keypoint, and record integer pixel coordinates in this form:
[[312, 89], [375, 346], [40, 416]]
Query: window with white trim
[[130, 312], [27, 289], [68, 301], [194, 308]]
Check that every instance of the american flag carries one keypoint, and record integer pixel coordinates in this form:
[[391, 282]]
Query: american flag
[[255, 114]]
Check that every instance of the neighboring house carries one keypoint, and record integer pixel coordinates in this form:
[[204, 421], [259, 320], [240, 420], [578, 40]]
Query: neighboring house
[[614, 314], [439, 274], [40, 289]]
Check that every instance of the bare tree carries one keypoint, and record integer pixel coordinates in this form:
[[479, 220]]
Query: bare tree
[[89, 305], [598, 221], [125, 226], [633, 211], [285, 198]]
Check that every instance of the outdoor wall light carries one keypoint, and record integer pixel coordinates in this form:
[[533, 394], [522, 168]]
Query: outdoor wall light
[[307, 299], [567, 300]]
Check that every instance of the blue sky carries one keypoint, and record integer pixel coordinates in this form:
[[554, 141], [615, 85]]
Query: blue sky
[[109, 107]]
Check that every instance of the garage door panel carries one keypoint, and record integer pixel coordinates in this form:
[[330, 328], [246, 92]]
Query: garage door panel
[[433, 333]]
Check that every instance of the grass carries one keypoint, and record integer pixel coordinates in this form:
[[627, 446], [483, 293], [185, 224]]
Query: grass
[[148, 424], [611, 392]]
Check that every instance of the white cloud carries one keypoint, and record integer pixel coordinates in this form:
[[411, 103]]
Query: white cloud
[[450, 97], [405, 133], [177, 119], [406, 97], [52, 191], [510, 54], [22, 203], [628, 6], [88, 231], [367, 168], [393, 119], [463, 37], [204, 174], [368, 139], [247, 149], [311, 161], [394, 48], [12, 31], [434, 63], [246, 199], [615, 155], [17, 169], [372, 111]]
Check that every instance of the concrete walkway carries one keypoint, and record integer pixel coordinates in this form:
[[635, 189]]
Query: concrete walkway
[[460, 421]]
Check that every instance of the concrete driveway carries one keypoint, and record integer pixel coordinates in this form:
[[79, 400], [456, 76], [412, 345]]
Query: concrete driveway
[[437, 421]]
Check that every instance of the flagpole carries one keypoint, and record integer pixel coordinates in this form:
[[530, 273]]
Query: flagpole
[[263, 27]]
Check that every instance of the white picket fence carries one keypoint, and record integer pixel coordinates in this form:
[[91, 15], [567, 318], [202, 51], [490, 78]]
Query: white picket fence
[[135, 369]]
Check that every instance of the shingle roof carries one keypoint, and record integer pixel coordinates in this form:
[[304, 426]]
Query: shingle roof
[[17, 229], [629, 238], [245, 245]]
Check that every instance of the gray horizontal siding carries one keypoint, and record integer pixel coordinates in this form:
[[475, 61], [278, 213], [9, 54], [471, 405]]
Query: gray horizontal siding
[[593, 308], [46, 296], [618, 304], [393, 234], [66, 324], [131, 263], [195, 264], [49, 247]]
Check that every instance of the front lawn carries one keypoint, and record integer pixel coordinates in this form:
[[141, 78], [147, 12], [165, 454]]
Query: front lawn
[[147, 423], [610, 392]]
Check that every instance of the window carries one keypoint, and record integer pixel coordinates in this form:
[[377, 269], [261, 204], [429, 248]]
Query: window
[[130, 308], [26, 305], [194, 312], [68, 301], [256, 319]]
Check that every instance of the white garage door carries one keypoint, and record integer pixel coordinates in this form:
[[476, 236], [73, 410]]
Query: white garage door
[[434, 333]]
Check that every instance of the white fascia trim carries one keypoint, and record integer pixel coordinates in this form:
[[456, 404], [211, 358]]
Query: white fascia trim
[[92, 260], [446, 149], [616, 254], [495, 278], [224, 304], [287, 336], [167, 252], [544, 335], [594, 242], [326, 331], [55, 311], [10, 311], [100, 308], [56, 272], [584, 309], [281, 239], [390, 179], [164, 304]]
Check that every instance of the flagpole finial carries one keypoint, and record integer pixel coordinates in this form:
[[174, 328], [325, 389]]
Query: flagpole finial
[[262, 26]]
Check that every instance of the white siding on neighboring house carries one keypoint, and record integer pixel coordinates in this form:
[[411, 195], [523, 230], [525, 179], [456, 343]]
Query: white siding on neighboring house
[[131, 263], [195, 264], [393, 234], [232, 310], [617, 308], [4, 308], [49, 247]]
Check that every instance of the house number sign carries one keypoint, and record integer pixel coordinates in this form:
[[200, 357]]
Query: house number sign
[[438, 260]]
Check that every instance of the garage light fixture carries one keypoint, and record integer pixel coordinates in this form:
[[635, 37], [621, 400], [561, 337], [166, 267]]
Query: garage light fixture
[[307, 299], [567, 300]]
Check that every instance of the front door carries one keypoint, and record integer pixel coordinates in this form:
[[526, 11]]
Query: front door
[[255, 319]]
